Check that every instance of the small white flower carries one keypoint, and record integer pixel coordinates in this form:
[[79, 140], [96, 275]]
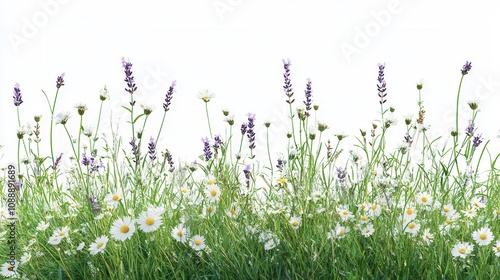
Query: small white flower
[[367, 230], [197, 242], [205, 95], [412, 228], [42, 226], [496, 248], [98, 245], [149, 221], [461, 250], [212, 193], [427, 236], [271, 243], [9, 269], [180, 233], [483, 236], [122, 229], [80, 246], [295, 222]]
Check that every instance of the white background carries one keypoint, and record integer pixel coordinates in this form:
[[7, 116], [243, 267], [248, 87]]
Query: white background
[[234, 49]]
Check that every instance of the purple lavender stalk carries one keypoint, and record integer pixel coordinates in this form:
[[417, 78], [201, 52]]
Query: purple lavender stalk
[[206, 149], [135, 150], [288, 83], [152, 149], [250, 131], [170, 162], [56, 163], [308, 93], [246, 171], [471, 129], [17, 95], [281, 164], [217, 144], [466, 68], [129, 79], [244, 127], [60, 81], [169, 95], [85, 160], [478, 139], [95, 205], [341, 174], [381, 87]]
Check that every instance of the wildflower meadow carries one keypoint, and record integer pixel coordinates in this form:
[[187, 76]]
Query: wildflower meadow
[[122, 207]]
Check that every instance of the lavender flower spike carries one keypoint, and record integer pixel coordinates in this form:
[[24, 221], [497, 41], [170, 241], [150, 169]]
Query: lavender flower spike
[[466, 68], [129, 79], [17, 95], [288, 83], [56, 163], [95, 205], [478, 139], [308, 93], [381, 87], [168, 97], [206, 149], [60, 81], [250, 131], [152, 149], [471, 129]]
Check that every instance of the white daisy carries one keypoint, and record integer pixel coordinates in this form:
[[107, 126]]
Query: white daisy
[[477, 203], [496, 248], [113, 198], [26, 257], [233, 211], [55, 240], [149, 220], [62, 232], [205, 95], [448, 210], [122, 229], [197, 242], [412, 228], [98, 245], [271, 243], [80, 246], [424, 199], [410, 213], [427, 236], [367, 230], [180, 233], [483, 236], [461, 250], [295, 222], [9, 269], [212, 192], [42, 226], [469, 213], [375, 210]]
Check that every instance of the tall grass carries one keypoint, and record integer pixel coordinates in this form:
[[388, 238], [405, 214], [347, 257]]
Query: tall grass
[[307, 215]]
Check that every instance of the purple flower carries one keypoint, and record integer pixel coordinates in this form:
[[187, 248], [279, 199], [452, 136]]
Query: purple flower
[[170, 161], [281, 164], [408, 139], [169, 95], [56, 163], [135, 150], [17, 95], [152, 149], [308, 101], [60, 81], [288, 83], [95, 205], [471, 129], [217, 144], [250, 131], [381, 87], [478, 139], [244, 128], [466, 68], [341, 174], [206, 149], [246, 171], [85, 160], [129, 79]]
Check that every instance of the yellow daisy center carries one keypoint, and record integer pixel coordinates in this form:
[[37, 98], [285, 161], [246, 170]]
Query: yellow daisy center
[[462, 250], [470, 211], [211, 182], [367, 230], [281, 180], [233, 212], [447, 221], [498, 248], [213, 192], [424, 199], [197, 242], [446, 209], [99, 245], [345, 213], [295, 223], [150, 221], [364, 218], [363, 207], [62, 233], [116, 197], [210, 209], [374, 207], [409, 211], [341, 232], [411, 225], [124, 229], [428, 236], [184, 190], [206, 97], [483, 236], [498, 212], [271, 245], [180, 233]]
